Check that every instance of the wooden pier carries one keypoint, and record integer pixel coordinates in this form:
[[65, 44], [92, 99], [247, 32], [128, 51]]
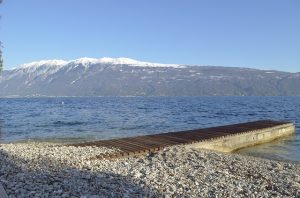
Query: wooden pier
[[151, 143]]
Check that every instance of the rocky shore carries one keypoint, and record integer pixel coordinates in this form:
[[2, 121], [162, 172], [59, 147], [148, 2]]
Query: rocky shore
[[55, 170]]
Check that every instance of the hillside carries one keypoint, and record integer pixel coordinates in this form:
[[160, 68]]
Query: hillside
[[128, 77]]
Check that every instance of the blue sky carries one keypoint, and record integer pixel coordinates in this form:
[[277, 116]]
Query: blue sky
[[254, 33]]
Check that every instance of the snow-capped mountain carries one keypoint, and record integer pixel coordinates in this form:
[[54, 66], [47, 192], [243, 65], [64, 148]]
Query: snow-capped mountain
[[91, 61], [128, 77]]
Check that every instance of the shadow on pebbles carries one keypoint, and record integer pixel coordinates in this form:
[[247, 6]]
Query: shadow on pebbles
[[55, 170]]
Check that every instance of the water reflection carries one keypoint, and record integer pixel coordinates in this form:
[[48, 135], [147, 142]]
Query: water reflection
[[282, 149]]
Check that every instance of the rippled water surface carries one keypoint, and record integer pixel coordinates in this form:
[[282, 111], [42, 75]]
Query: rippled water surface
[[77, 119]]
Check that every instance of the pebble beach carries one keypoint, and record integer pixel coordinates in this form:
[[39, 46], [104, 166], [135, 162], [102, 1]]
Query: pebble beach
[[57, 170]]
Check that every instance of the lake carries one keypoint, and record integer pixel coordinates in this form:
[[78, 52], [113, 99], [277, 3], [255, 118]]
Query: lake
[[75, 119]]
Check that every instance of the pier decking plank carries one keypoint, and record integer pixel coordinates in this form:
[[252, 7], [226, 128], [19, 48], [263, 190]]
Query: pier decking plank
[[149, 143]]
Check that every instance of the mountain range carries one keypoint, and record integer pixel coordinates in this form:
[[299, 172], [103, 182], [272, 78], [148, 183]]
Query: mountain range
[[128, 77]]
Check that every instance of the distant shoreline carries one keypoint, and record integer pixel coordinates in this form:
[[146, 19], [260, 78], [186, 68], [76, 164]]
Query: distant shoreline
[[204, 96]]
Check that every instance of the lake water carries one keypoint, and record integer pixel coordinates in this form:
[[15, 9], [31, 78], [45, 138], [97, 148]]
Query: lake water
[[82, 118]]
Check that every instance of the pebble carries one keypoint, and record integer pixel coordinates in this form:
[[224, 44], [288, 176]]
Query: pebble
[[56, 170]]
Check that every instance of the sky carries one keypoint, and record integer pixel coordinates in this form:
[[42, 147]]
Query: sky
[[249, 33]]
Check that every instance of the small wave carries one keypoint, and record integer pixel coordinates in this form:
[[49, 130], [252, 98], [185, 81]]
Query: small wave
[[64, 123], [127, 128]]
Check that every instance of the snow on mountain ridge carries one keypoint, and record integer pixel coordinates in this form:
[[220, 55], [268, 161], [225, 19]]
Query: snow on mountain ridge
[[132, 62], [105, 60], [44, 62]]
